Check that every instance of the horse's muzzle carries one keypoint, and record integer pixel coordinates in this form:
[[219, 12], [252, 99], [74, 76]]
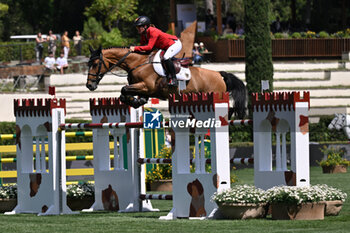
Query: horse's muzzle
[[91, 86]]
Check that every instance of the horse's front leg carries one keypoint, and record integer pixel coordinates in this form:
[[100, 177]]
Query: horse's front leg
[[128, 93]]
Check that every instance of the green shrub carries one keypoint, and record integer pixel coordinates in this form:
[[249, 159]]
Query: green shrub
[[114, 38], [161, 171], [334, 156], [92, 29], [278, 35], [323, 34]]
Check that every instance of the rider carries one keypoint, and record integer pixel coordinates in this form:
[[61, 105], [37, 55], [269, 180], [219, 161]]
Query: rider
[[152, 37]]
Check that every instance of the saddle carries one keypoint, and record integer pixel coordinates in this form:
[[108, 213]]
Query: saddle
[[178, 62]]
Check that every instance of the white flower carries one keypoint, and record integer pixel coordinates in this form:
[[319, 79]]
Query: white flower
[[240, 194], [297, 195]]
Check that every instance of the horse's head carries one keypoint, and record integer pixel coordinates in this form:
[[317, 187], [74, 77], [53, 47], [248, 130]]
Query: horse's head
[[101, 63], [97, 68]]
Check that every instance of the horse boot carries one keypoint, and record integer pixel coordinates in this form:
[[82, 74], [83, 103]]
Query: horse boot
[[171, 76]]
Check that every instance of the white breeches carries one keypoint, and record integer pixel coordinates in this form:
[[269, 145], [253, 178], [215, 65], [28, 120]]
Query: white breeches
[[173, 50]]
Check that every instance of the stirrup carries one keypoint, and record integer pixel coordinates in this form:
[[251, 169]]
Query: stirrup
[[172, 82]]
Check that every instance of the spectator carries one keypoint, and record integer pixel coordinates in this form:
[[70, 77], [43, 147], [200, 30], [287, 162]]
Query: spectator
[[209, 19], [202, 49], [276, 25], [77, 42], [51, 39], [239, 29], [62, 63], [227, 30], [65, 44], [50, 62], [231, 21], [39, 47], [197, 56]]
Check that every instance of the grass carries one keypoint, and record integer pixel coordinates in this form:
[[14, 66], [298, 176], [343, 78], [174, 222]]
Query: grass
[[148, 222]]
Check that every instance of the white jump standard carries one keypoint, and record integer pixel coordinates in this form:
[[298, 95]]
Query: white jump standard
[[40, 189], [281, 113]]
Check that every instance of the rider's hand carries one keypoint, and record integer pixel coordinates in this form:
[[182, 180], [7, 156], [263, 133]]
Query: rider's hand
[[132, 48]]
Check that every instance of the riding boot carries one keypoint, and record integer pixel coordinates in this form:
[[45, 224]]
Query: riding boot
[[170, 72]]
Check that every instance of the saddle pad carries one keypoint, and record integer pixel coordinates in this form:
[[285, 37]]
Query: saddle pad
[[184, 74]]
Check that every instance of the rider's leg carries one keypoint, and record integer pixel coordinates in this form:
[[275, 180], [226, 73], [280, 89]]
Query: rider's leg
[[171, 71], [169, 53]]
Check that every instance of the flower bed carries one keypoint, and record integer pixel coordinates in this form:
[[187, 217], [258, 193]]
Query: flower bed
[[307, 203], [242, 202], [335, 163]]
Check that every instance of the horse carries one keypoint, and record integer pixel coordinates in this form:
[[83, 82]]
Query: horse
[[144, 82], [341, 121]]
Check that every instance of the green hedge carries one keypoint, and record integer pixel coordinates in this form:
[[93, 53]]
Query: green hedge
[[10, 51]]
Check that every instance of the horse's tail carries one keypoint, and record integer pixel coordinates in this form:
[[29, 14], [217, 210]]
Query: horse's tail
[[238, 92]]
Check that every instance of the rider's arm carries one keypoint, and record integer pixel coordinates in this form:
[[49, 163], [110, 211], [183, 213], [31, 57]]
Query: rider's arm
[[151, 42]]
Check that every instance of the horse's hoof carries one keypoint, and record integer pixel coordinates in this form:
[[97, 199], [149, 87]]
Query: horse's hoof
[[122, 98], [135, 103]]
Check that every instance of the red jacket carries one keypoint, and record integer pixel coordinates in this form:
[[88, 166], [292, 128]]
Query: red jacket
[[155, 38]]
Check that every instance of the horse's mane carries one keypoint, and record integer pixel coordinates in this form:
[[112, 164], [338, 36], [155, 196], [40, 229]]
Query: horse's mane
[[116, 47]]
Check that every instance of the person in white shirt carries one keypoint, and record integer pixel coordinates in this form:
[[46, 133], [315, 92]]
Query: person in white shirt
[[50, 62], [62, 63]]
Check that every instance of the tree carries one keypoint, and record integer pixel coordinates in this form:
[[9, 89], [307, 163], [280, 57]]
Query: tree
[[3, 9], [92, 29], [113, 10], [257, 45]]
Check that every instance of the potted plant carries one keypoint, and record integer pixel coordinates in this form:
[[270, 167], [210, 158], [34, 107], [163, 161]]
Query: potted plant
[[8, 198], [160, 176], [80, 196], [242, 202], [333, 199], [335, 163], [296, 203]]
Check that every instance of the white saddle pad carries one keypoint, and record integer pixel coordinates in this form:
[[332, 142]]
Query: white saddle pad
[[184, 74]]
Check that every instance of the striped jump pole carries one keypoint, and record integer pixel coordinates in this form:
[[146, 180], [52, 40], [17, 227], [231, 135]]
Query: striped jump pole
[[241, 122], [156, 197], [101, 125], [237, 161]]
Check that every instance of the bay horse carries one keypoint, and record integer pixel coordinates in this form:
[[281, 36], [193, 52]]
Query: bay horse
[[144, 82]]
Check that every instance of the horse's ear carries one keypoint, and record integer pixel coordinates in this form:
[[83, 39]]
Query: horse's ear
[[91, 49]]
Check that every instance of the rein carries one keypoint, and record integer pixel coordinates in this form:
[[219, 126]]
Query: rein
[[101, 61]]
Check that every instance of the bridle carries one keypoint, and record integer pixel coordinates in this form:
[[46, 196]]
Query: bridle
[[101, 62]]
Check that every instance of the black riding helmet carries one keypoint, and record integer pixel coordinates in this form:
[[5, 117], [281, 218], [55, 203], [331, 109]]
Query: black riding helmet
[[142, 21]]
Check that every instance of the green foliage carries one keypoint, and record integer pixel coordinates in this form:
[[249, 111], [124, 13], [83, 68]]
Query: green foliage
[[257, 45], [296, 35], [161, 171], [11, 51], [232, 36], [323, 34], [278, 35], [310, 34], [114, 38], [3, 9], [92, 28], [113, 10], [334, 156]]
